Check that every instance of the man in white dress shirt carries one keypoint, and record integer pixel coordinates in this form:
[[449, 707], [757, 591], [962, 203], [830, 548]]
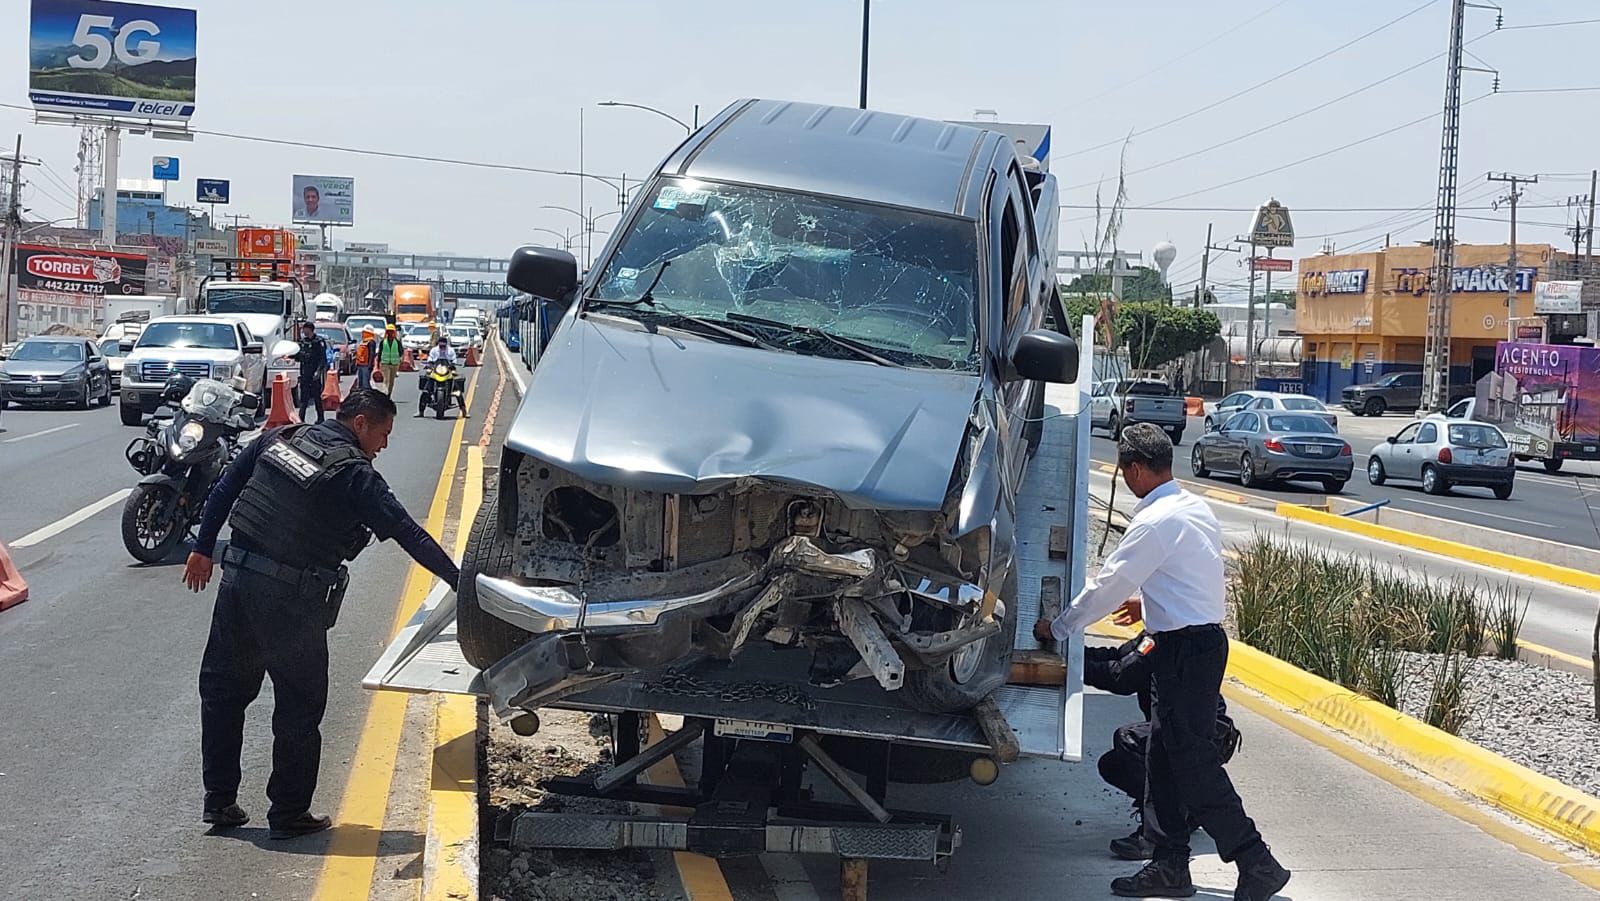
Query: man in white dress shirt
[[1172, 555]]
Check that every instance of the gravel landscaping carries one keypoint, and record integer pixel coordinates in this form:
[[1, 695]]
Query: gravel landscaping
[[1541, 718]]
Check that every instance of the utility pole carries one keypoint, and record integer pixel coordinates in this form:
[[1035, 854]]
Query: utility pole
[[11, 219], [1594, 187], [1515, 181], [1205, 269], [1197, 374], [1250, 323], [866, 21], [1436, 352]]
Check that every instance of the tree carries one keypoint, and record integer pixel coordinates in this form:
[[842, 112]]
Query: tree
[[1153, 332], [1144, 284], [1284, 297]]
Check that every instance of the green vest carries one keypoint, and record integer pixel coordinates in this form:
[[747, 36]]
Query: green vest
[[389, 351]]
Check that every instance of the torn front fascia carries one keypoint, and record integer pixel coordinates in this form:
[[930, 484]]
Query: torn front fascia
[[622, 613]]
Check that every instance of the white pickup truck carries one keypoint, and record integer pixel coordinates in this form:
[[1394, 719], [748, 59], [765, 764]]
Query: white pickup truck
[[1116, 403]]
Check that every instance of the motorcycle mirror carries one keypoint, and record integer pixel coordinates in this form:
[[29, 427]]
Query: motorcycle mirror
[[250, 401]]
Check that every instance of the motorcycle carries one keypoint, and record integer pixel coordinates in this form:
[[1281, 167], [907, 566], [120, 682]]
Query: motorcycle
[[181, 456], [443, 389]]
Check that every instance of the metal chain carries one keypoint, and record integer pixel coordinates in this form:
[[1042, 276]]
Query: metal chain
[[680, 683]]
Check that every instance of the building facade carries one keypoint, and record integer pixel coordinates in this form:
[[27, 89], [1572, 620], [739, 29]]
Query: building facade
[[1364, 315]]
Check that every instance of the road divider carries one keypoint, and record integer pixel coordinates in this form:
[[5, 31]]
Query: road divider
[[1553, 552], [1481, 555]]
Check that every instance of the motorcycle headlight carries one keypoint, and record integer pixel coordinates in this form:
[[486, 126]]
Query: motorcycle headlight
[[189, 436]]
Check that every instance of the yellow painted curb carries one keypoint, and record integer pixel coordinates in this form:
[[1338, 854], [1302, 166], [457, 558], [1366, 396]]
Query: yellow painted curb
[[1538, 799], [1530, 796], [1569, 659], [1226, 496], [1521, 565]]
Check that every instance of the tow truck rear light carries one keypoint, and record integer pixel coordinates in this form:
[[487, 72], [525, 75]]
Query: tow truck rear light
[[1445, 456], [1274, 445]]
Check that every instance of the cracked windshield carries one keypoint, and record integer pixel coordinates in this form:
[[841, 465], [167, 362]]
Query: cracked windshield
[[801, 270]]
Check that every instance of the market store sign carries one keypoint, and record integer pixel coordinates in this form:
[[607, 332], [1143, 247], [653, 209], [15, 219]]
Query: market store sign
[[1339, 281], [1465, 280]]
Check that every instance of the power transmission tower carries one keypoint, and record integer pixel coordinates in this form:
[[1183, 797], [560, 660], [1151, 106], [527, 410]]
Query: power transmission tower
[[1515, 194], [1436, 351], [91, 160]]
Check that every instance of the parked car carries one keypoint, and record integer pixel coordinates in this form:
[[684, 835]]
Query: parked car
[[339, 340], [1398, 391], [1233, 403], [55, 369], [1442, 454], [111, 349], [1295, 403], [1259, 446], [200, 347], [1115, 403]]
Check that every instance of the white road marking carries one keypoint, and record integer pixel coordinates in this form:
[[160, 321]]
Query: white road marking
[[59, 428], [1470, 512], [506, 361], [67, 522]]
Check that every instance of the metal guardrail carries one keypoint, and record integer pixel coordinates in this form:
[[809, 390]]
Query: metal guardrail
[[1366, 508]]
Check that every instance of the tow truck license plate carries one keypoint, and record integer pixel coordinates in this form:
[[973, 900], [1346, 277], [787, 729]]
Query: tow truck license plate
[[754, 730]]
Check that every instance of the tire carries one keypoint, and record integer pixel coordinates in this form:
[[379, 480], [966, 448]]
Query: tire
[[82, 403], [105, 396], [142, 543], [1375, 406], [1114, 427], [1332, 486], [1375, 472], [1433, 483], [130, 415], [1503, 492], [1177, 436], [938, 691], [484, 638], [1210, 425], [1197, 462], [1247, 472], [1033, 429], [1552, 465]]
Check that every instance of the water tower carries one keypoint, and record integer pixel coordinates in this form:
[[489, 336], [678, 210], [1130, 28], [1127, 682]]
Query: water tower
[[1164, 253]]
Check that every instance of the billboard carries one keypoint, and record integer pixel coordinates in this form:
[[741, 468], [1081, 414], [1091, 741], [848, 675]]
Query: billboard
[[124, 60], [164, 168], [79, 272], [1558, 297], [1542, 394], [324, 200], [211, 190]]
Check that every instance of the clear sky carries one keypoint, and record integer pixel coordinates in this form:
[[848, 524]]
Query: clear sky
[[504, 82]]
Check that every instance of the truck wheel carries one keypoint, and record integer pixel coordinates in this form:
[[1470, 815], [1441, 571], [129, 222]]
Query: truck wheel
[[1177, 436], [1552, 465], [484, 638], [131, 415], [1115, 427], [963, 680], [1375, 407]]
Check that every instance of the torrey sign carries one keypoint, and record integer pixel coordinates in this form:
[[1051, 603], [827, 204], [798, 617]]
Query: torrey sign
[[66, 270], [118, 60]]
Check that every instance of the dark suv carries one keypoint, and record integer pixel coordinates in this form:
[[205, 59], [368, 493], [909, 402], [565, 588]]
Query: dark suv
[[1398, 391], [790, 406]]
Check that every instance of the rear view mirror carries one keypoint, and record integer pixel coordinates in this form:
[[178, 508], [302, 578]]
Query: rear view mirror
[[543, 272], [281, 349], [254, 347], [1392, 439], [1046, 356]]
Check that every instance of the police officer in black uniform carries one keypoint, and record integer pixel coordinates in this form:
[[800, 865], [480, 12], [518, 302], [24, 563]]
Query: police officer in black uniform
[[304, 499]]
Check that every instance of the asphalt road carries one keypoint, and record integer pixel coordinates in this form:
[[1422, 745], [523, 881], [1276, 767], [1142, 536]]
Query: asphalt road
[[99, 767], [1564, 507]]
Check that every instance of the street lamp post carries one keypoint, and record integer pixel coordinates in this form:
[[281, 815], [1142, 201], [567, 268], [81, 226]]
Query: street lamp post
[[687, 128]]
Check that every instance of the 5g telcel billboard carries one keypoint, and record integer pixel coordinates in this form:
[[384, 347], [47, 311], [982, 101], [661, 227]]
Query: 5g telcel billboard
[[118, 60]]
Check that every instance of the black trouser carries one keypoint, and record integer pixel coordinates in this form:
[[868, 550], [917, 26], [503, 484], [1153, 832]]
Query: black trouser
[[1123, 766], [262, 626], [310, 394], [1183, 770]]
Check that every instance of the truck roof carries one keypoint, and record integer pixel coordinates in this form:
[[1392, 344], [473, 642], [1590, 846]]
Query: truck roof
[[841, 151]]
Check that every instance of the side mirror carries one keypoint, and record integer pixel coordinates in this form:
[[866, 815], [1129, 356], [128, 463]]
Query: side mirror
[[543, 272], [251, 402], [254, 347], [281, 349], [1392, 439], [1046, 356], [125, 347]]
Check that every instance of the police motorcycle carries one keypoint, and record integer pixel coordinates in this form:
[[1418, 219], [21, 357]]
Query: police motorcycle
[[442, 388], [189, 441]]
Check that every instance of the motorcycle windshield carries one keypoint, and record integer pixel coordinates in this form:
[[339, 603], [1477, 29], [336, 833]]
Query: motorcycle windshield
[[211, 401]]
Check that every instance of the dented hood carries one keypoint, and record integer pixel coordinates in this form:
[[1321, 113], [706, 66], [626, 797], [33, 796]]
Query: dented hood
[[672, 412]]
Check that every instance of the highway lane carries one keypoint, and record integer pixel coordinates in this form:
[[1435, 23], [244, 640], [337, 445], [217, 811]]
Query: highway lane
[[1564, 507], [100, 760]]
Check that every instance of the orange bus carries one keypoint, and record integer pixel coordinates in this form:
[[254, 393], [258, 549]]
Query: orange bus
[[413, 303]]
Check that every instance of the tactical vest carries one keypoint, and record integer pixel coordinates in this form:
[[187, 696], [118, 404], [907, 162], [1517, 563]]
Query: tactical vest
[[286, 509]]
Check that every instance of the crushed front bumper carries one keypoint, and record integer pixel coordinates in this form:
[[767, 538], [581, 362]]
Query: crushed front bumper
[[584, 636]]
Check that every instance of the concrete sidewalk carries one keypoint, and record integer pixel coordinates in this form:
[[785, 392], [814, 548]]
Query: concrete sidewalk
[[1345, 829]]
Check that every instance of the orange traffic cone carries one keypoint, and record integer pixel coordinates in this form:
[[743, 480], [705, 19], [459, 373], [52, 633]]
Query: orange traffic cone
[[472, 356], [13, 588], [407, 363], [281, 413], [330, 391]]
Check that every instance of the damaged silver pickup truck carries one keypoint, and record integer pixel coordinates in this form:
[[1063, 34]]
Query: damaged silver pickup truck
[[791, 404]]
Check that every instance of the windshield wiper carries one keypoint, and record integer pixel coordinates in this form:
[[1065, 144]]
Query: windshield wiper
[[648, 298], [861, 351]]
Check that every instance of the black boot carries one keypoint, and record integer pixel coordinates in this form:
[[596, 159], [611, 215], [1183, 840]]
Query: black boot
[[1133, 847], [1260, 877], [304, 824], [229, 817], [1158, 879]]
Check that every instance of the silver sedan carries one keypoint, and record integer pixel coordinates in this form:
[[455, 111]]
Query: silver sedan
[[1261, 447]]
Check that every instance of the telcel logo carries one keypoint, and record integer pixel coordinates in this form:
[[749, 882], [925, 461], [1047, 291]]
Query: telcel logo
[[154, 108]]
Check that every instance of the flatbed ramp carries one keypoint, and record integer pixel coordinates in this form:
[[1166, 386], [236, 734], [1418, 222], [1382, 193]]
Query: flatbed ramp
[[762, 722]]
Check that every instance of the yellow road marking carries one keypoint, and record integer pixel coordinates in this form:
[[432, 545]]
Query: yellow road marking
[[701, 875], [352, 853], [1558, 655]]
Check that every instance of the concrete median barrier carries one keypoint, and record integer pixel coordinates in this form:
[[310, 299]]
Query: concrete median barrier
[[1552, 552]]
